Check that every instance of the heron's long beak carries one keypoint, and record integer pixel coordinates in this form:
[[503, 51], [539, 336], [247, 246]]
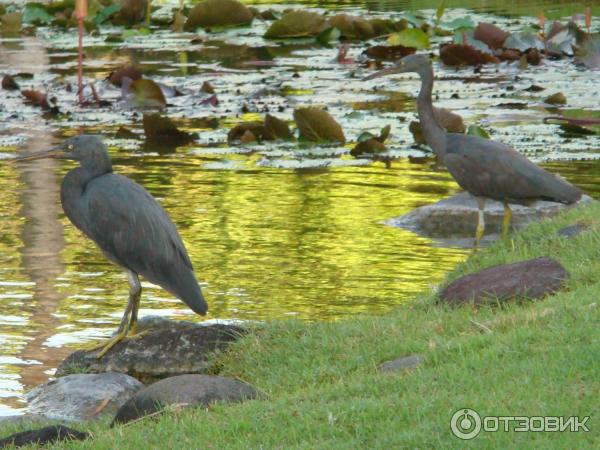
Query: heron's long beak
[[50, 153], [384, 72]]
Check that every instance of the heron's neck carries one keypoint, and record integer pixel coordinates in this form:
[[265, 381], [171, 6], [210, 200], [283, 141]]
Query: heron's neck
[[434, 134]]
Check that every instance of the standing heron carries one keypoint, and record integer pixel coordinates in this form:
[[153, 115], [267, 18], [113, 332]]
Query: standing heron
[[130, 227], [484, 168]]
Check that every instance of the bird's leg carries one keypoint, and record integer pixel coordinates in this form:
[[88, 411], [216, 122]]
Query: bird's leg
[[506, 220], [135, 290], [480, 221]]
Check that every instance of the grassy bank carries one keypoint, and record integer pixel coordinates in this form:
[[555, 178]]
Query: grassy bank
[[323, 390]]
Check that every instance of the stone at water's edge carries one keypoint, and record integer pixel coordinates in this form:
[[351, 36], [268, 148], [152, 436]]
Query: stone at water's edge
[[456, 216], [82, 396], [170, 350], [184, 391], [533, 279], [46, 435]]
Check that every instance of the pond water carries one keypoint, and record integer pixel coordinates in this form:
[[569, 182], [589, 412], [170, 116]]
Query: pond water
[[274, 230]]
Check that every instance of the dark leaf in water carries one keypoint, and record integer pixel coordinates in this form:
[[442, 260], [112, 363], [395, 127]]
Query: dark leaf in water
[[116, 77], [589, 52], [178, 22], [384, 134], [275, 128], [476, 130], [269, 14], [36, 98], [389, 52], [327, 36], [367, 147], [448, 120], [207, 88], [352, 27], [534, 56], [317, 125], [11, 22], [509, 55], [461, 55], [210, 13], [523, 41], [238, 132], [490, 34], [161, 129], [411, 37], [125, 133], [132, 12], [556, 99], [386, 26], [534, 88], [148, 94], [248, 137], [573, 126], [9, 83], [298, 23]]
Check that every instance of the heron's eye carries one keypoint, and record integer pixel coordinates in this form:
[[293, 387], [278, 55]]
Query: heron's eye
[[70, 147]]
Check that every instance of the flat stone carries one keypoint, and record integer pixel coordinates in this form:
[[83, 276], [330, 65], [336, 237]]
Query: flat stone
[[159, 353], [82, 396], [531, 279], [46, 435], [184, 391], [456, 216], [400, 364], [571, 231]]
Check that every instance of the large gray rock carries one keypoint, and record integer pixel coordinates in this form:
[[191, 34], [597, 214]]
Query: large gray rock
[[82, 396], [168, 350], [533, 279], [184, 391], [456, 216]]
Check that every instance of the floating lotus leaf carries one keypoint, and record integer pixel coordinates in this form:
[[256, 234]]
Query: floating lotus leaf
[[210, 13], [296, 24], [148, 94], [317, 125], [411, 37]]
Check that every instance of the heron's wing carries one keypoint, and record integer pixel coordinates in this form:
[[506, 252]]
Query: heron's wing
[[491, 169], [131, 227]]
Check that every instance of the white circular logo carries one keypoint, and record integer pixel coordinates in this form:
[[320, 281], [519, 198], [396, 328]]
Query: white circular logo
[[465, 424]]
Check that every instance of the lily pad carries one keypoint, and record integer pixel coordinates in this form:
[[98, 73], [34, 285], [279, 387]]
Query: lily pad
[[589, 52], [148, 94], [105, 13], [556, 99], [296, 24], [209, 13], [523, 41], [36, 14], [490, 34], [411, 37], [329, 35], [317, 125], [459, 23], [159, 129], [476, 130], [275, 128], [462, 54]]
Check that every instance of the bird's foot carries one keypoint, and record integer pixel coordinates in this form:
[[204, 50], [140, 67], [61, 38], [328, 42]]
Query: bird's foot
[[112, 342], [141, 334]]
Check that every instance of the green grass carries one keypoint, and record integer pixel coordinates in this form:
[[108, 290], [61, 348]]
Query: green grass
[[322, 388]]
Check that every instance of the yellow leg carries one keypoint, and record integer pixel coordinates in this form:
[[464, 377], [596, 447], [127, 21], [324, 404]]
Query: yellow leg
[[480, 222], [129, 320], [506, 220]]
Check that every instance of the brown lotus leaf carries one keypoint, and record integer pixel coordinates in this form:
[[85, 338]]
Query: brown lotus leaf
[[509, 55], [162, 129], [9, 83], [247, 137], [236, 134], [11, 22], [125, 133], [36, 98], [369, 146], [556, 99], [275, 128], [448, 120], [207, 88], [490, 34], [297, 23], [352, 27], [148, 94], [465, 55], [209, 13], [132, 12], [317, 125], [116, 77], [389, 52]]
